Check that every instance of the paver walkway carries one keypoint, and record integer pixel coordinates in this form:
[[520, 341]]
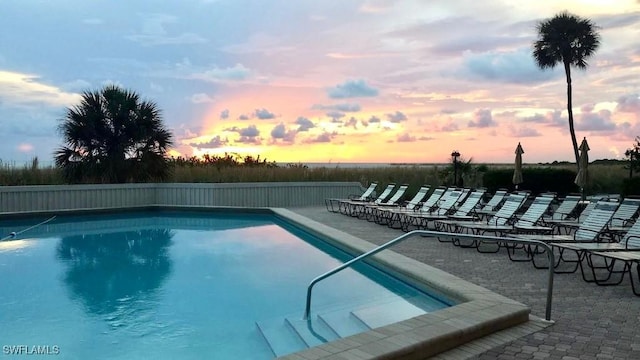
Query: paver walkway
[[591, 322]]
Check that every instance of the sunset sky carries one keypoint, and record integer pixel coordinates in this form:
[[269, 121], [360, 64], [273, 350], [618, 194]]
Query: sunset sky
[[332, 81]]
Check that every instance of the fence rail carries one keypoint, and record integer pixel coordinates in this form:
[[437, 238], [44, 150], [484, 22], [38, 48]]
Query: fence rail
[[19, 199]]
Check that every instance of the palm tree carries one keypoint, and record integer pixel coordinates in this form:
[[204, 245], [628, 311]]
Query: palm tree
[[112, 136], [569, 40]]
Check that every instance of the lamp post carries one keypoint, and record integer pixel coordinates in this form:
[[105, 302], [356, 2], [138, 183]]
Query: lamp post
[[455, 154]]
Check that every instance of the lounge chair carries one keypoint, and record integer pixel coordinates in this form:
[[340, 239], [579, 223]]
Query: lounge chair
[[492, 205], [463, 209], [445, 205], [629, 258], [623, 217], [567, 210], [469, 205], [333, 204], [526, 222], [385, 215], [590, 230], [397, 215], [504, 213], [371, 211], [354, 208], [629, 242], [566, 226]]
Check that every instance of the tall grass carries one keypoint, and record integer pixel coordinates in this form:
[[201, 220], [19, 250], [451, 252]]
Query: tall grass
[[604, 178], [29, 174]]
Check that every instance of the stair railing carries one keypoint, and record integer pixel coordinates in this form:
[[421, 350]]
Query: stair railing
[[403, 237]]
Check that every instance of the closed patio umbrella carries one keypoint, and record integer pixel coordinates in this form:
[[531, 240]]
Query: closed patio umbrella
[[583, 162], [517, 171]]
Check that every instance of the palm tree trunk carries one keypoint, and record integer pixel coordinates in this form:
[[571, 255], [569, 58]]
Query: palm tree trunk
[[574, 141]]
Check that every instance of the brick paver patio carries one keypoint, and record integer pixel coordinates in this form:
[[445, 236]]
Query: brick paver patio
[[591, 322]]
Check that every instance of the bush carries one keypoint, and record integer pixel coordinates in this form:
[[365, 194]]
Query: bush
[[536, 180], [630, 186]]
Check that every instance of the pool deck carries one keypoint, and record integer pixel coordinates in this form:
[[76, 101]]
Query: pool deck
[[590, 322]]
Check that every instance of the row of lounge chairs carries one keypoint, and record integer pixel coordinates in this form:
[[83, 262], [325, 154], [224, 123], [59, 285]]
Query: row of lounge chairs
[[598, 236]]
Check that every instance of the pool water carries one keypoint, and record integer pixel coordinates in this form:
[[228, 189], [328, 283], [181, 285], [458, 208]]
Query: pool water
[[173, 285]]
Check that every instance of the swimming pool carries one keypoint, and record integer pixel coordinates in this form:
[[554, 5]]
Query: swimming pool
[[184, 285]]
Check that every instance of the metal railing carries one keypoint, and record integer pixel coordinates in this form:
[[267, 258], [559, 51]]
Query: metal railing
[[403, 237]]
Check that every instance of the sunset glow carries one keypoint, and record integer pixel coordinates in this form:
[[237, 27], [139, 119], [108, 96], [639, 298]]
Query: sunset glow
[[331, 81]]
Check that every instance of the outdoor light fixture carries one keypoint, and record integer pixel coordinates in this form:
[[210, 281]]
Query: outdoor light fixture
[[455, 154]]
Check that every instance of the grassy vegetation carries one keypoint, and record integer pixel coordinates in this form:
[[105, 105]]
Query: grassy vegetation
[[605, 177]]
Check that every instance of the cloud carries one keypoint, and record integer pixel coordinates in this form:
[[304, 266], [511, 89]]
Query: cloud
[[249, 131], [25, 147], [155, 40], [552, 118], [516, 67], [595, 121], [406, 137], [155, 34], [305, 124], [224, 114], [253, 140], [322, 138], [523, 131], [352, 89], [352, 122], [450, 126], [345, 107], [374, 119], [375, 7], [200, 98], [482, 119], [248, 135], [17, 89], [243, 117], [280, 132], [629, 103], [397, 117], [216, 74], [214, 143], [348, 107], [264, 114], [335, 115]]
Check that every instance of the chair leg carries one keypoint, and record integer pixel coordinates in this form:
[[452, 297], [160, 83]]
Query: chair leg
[[511, 251], [610, 267], [636, 292]]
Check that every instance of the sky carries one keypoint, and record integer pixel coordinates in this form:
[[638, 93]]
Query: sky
[[331, 81]]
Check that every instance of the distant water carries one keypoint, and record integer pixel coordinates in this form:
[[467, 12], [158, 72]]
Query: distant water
[[365, 165]]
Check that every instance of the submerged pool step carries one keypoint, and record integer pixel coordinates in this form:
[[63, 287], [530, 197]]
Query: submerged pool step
[[387, 313], [313, 332], [343, 323], [291, 334], [280, 337]]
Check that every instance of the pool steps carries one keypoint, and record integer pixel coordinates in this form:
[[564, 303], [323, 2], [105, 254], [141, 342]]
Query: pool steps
[[293, 334], [344, 323]]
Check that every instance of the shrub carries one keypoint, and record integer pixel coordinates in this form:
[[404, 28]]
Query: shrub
[[630, 186], [536, 180]]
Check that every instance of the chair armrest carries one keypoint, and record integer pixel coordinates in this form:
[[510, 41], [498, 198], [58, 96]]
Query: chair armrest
[[626, 245]]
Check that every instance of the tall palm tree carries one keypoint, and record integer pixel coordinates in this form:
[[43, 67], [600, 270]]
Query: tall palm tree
[[568, 40], [113, 136]]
